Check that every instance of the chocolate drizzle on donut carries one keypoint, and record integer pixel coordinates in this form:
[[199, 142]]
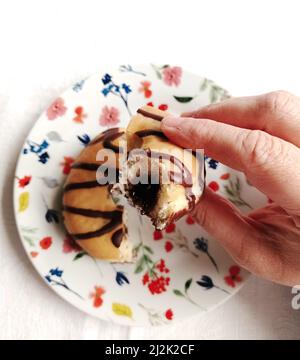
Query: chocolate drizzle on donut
[[117, 238], [116, 219], [107, 141], [115, 216], [82, 185], [85, 166], [95, 167], [99, 138], [107, 137], [150, 115], [144, 133], [185, 175], [92, 213]]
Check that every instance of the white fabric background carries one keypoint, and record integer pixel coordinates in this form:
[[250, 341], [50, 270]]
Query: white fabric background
[[247, 46]]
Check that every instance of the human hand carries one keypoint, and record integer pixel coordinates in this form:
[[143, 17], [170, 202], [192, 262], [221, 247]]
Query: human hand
[[259, 136]]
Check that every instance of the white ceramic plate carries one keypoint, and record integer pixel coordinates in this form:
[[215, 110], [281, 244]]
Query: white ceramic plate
[[179, 272]]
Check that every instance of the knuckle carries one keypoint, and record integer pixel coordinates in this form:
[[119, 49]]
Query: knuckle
[[277, 102], [260, 148]]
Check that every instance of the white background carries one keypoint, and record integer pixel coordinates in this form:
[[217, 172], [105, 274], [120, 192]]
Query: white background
[[248, 47]]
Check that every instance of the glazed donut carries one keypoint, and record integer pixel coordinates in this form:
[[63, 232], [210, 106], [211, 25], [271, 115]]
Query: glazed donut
[[172, 177], [91, 216]]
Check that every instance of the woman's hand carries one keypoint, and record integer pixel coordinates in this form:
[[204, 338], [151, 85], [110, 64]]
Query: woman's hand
[[260, 136]]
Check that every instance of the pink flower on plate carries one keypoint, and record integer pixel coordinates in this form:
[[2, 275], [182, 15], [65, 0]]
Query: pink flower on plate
[[109, 116], [172, 75], [57, 108]]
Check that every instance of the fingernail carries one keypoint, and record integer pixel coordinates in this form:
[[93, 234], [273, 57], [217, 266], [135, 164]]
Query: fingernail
[[170, 121]]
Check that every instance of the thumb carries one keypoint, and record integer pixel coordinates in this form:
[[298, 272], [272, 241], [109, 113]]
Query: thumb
[[238, 234]]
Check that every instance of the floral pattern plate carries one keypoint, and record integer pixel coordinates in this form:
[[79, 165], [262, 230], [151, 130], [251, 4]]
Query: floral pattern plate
[[180, 271]]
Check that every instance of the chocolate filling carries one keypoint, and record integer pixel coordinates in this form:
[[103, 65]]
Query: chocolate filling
[[144, 196], [183, 178]]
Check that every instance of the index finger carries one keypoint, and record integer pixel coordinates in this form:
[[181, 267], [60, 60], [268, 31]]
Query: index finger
[[277, 113]]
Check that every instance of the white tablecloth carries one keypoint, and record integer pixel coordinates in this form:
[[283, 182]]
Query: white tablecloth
[[247, 46]]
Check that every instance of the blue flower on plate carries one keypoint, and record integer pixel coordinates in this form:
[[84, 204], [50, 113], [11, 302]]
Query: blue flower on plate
[[126, 88], [121, 278], [84, 139], [54, 277], [119, 90], [213, 164], [206, 282], [56, 272], [38, 148], [43, 158], [44, 145], [106, 79], [52, 216], [105, 91], [201, 244]]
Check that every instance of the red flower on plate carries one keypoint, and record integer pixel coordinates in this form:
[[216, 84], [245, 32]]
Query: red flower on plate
[[233, 276], [168, 246], [96, 295], [69, 245], [159, 285], [170, 228], [155, 278], [225, 176], [163, 107], [80, 115], [46, 242], [157, 235], [34, 254], [67, 164], [161, 266], [57, 108], [145, 88], [172, 75], [189, 220], [169, 314], [24, 181], [110, 116], [146, 279], [214, 186]]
